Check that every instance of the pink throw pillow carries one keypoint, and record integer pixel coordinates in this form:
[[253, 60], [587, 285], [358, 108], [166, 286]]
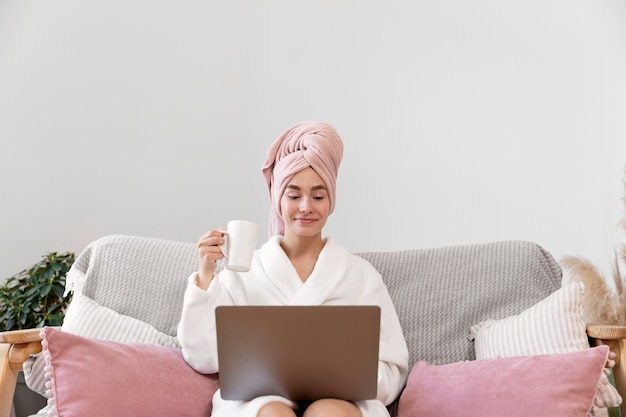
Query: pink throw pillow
[[527, 386], [90, 377]]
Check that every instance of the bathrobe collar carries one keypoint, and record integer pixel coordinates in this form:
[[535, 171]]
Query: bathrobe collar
[[330, 268]]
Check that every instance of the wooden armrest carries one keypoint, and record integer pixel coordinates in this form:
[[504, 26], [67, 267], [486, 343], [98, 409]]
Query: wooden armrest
[[606, 331], [615, 338], [15, 348], [23, 343], [20, 336]]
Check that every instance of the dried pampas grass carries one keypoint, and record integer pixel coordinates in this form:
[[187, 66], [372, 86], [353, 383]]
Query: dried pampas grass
[[603, 305]]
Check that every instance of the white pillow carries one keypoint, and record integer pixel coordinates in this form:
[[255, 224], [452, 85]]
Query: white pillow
[[85, 317], [554, 325]]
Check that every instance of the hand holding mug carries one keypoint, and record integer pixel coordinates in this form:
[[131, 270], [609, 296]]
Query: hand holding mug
[[236, 243], [208, 253]]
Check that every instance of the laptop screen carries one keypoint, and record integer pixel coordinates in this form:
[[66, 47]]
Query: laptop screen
[[298, 352]]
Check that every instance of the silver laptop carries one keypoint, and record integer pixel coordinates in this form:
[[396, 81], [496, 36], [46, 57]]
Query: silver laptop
[[298, 352]]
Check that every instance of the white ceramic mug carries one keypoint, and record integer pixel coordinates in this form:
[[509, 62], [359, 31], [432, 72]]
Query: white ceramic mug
[[240, 237]]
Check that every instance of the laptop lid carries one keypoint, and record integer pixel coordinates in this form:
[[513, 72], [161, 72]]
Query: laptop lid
[[298, 352]]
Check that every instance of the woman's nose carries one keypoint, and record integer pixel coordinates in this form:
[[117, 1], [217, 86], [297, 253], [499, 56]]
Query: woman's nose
[[305, 205]]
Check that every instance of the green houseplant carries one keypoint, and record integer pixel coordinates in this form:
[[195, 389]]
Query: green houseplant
[[34, 297]]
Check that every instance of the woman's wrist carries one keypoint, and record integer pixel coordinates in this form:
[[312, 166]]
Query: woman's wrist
[[203, 281]]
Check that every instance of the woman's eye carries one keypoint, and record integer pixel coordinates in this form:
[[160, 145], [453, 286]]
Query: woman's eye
[[293, 197], [318, 197]]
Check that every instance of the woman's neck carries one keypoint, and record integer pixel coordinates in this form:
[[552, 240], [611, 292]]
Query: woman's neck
[[300, 245], [303, 252]]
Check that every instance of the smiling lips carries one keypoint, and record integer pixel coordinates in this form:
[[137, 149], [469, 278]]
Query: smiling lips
[[305, 220]]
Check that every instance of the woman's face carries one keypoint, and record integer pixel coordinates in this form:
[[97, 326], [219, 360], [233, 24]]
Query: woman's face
[[304, 205]]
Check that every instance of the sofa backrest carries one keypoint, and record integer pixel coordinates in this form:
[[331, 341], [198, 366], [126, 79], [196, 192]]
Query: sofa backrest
[[139, 277], [438, 293]]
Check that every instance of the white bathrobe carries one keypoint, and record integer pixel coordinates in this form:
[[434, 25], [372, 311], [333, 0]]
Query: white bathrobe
[[339, 277]]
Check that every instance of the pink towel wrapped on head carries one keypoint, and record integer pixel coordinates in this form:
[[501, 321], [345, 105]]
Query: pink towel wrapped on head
[[307, 144]]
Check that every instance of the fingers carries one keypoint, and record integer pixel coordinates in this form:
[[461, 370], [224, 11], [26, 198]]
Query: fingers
[[210, 237], [209, 252]]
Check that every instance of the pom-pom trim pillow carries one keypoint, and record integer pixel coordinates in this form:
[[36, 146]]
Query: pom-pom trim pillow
[[85, 317], [90, 377], [512, 387]]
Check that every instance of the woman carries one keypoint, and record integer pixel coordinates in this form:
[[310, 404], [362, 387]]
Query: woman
[[297, 266]]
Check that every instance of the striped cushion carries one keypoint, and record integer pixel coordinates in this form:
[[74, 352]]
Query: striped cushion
[[85, 317], [554, 325]]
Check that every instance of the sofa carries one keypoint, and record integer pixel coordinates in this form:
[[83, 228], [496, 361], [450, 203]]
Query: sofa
[[489, 327]]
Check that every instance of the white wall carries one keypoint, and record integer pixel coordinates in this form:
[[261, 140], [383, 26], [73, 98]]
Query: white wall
[[463, 122]]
